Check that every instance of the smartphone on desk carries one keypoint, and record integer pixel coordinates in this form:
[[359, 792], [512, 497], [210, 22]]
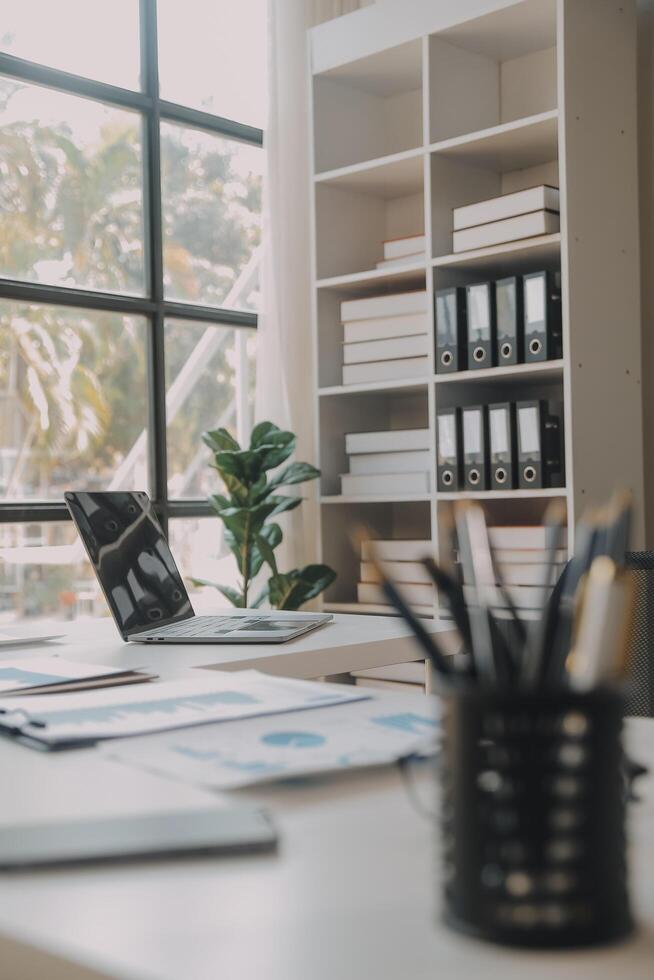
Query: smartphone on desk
[[209, 831]]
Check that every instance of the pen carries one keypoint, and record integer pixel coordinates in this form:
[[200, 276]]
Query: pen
[[600, 647], [477, 570], [587, 534], [453, 592], [540, 636]]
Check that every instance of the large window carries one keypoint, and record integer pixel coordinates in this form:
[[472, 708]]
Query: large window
[[130, 203]]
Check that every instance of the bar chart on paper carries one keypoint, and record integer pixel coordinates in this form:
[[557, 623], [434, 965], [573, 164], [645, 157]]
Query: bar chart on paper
[[243, 752], [164, 706]]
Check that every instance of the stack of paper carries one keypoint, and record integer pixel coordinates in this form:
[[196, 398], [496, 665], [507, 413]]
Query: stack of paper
[[46, 675], [395, 461], [245, 752], [69, 719], [385, 337], [510, 217]]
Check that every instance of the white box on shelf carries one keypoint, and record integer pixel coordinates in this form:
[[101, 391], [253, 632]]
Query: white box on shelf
[[522, 596], [391, 304], [398, 571], [420, 594], [387, 441], [541, 198], [385, 483], [382, 328], [405, 550], [509, 230], [398, 248], [517, 537], [405, 462], [402, 369], [386, 350], [398, 263], [526, 574], [528, 556]]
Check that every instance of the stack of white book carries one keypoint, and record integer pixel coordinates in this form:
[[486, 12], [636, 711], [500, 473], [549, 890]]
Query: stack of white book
[[521, 554], [401, 562], [393, 462], [403, 251], [523, 214], [385, 338]]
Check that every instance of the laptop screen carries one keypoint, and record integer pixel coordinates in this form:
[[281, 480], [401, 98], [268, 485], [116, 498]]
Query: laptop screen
[[130, 557]]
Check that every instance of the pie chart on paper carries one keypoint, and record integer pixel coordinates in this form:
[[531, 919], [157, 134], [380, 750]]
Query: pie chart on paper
[[295, 740]]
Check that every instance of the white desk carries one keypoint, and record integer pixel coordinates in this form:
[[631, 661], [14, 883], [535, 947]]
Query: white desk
[[349, 643], [349, 896]]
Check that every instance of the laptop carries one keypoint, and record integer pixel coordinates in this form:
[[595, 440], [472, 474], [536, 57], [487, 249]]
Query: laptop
[[142, 585]]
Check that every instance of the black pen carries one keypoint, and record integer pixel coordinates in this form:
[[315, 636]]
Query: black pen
[[541, 635], [453, 592], [437, 658]]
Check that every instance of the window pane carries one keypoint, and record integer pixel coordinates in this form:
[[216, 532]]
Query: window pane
[[200, 552], [72, 401], [204, 46], [212, 218], [99, 41], [45, 574], [209, 384], [71, 195]]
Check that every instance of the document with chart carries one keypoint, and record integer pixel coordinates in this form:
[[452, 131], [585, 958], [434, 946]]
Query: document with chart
[[71, 718], [240, 753]]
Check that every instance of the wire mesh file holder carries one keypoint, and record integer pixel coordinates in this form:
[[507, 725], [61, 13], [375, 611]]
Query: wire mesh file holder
[[533, 798]]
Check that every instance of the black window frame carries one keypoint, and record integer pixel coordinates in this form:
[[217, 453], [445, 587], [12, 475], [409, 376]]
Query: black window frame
[[153, 306]]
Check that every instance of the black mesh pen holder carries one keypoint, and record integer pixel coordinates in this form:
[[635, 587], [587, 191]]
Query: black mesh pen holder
[[533, 818]]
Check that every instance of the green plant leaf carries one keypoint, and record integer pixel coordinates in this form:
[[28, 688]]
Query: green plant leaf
[[261, 432], [277, 449], [219, 503], [234, 597], [292, 589], [219, 440], [282, 504], [295, 473], [267, 541]]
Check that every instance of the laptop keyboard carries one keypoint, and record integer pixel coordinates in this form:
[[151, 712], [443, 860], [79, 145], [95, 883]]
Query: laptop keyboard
[[204, 626]]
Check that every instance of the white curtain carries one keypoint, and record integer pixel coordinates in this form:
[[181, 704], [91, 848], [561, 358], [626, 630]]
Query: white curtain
[[285, 365]]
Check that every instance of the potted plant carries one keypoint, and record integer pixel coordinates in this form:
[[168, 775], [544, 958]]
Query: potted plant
[[248, 510]]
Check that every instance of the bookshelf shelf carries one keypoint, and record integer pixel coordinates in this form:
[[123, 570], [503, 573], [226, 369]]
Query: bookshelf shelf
[[515, 255], [510, 146], [410, 276], [502, 494], [376, 498], [388, 177], [523, 372], [401, 385], [421, 107]]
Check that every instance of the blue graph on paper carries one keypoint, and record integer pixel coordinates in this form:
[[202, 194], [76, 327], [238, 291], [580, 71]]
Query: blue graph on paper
[[408, 721], [122, 712], [18, 676], [296, 740]]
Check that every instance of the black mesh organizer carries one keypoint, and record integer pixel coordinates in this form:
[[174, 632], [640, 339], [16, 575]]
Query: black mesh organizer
[[641, 700], [533, 813]]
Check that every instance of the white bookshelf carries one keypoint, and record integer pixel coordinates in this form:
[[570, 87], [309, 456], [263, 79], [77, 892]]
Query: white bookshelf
[[421, 107]]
